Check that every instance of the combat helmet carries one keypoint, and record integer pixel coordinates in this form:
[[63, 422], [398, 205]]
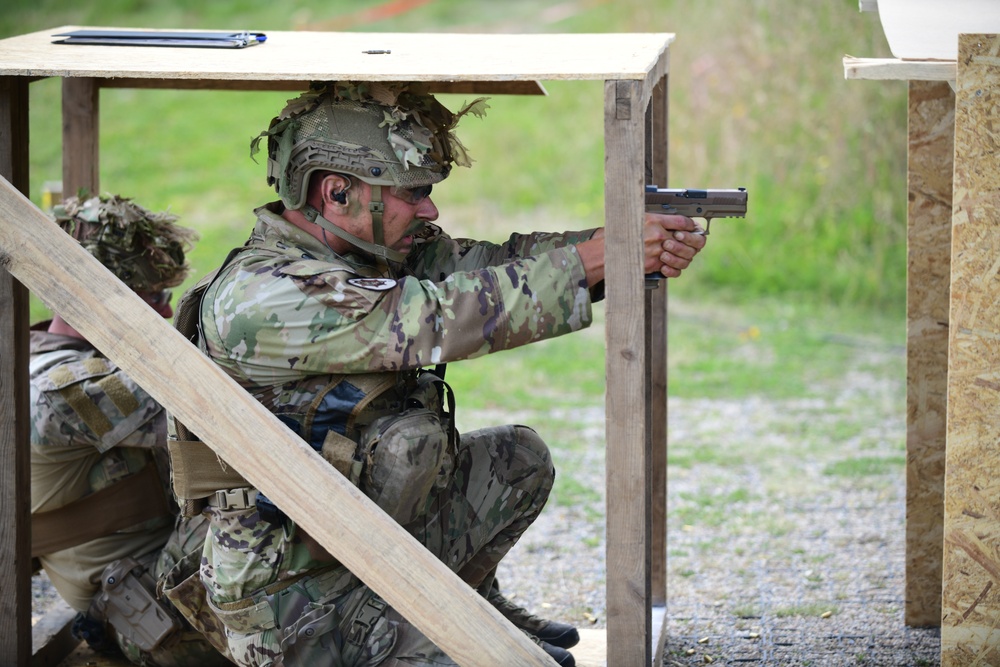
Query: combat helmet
[[145, 250], [385, 134]]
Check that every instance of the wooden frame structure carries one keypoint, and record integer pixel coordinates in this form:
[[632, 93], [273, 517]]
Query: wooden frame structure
[[35, 255], [953, 394]]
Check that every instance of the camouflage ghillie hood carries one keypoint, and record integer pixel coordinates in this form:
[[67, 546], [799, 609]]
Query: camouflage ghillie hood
[[382, 133], [144, 250]]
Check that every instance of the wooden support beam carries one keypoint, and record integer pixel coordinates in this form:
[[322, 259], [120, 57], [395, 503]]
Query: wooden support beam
[[628, 394], [251, 439], [81, 135], [929, 165], [971, 586], [15, 479]]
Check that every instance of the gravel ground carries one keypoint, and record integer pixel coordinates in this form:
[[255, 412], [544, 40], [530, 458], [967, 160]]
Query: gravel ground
[[785, 533], [776, 559]]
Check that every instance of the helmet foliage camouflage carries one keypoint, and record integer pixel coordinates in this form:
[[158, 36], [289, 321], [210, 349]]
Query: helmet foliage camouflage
[[144, 250], [382, 133]]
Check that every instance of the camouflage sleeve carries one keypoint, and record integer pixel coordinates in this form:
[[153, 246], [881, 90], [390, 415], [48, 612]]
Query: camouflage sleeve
[[436, 255], [91, 401], [271, 324]]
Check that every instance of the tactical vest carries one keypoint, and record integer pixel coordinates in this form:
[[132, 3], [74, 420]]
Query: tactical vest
[[389, 433]]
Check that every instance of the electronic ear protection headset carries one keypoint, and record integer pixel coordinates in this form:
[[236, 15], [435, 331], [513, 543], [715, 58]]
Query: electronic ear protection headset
[[341, 197]]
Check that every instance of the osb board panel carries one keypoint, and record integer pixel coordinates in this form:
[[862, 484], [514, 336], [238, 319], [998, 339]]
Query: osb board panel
[[930, 159], [970, 624], [294, 56]]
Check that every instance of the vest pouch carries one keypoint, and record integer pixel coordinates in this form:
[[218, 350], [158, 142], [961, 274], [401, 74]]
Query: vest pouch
[[403, 456], [182, 586]]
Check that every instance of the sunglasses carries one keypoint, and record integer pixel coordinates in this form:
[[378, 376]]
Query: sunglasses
[[413, 195]]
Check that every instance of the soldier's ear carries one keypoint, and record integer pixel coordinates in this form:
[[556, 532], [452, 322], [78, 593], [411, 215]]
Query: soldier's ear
[[334, 189]]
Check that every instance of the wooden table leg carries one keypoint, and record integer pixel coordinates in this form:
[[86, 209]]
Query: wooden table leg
[[15, 490], [628, 407], [81, 135], [658, 363], [656, 169]]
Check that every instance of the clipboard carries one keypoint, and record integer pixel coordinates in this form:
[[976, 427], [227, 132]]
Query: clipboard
[[198, 39]]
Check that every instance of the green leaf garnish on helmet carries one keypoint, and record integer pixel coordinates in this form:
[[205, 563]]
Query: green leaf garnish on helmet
[[144, 250]]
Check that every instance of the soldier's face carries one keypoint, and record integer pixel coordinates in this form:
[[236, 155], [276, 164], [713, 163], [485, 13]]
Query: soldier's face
[[404, 209], [159, 301]]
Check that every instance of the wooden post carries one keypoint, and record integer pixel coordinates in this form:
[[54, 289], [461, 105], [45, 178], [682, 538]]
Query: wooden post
[[15, 479], [971, 586], [81, 135], [252, 440], [628, 405], [931, 151], [657, 171]]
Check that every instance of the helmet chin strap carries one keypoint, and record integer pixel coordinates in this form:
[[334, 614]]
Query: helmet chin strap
[[378, 248], [377, 207]]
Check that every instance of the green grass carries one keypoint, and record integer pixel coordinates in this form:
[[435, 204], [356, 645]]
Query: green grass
[[770, 349], [747, 611], [812, 609], [866, 466], [709, 509]]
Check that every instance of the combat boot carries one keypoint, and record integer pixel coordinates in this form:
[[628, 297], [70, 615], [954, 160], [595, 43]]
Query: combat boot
[[562, 657], [558, 635]]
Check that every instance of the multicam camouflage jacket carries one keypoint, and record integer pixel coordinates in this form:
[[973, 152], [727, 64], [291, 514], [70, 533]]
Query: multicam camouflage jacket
[[287, 314]]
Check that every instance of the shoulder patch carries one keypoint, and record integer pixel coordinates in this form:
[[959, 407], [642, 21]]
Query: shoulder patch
[[374, 284]]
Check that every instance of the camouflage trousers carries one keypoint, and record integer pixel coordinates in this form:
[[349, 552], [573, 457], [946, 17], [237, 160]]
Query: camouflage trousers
[[502, 479]]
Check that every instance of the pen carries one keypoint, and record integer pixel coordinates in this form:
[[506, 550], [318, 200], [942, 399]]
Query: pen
[[250, 38]]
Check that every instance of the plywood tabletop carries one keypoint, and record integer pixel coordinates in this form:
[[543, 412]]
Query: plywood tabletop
[[328, 56]]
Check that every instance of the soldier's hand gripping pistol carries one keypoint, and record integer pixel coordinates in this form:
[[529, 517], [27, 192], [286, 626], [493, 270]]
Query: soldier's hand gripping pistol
[[707, 204]]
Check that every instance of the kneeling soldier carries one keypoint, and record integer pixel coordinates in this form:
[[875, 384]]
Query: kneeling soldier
[[104, 524]]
